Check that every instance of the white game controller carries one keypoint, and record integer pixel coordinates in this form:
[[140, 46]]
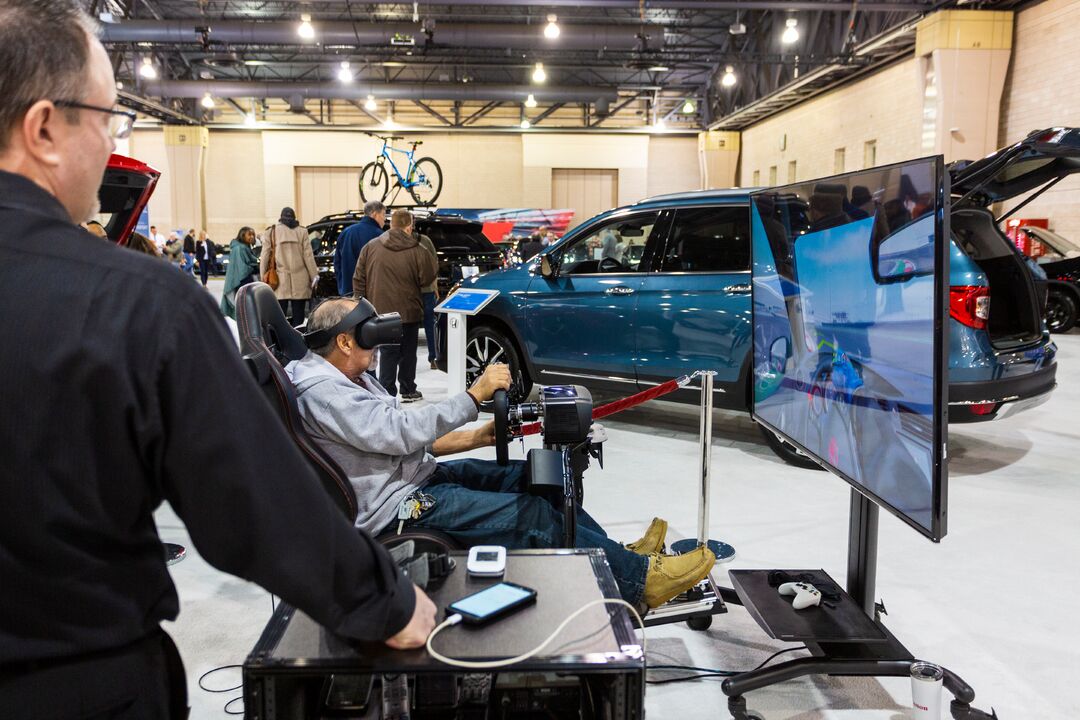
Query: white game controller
[[806, 595]]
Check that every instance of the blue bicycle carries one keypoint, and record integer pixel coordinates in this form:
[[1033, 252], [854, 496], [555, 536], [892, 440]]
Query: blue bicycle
[[422, 178]]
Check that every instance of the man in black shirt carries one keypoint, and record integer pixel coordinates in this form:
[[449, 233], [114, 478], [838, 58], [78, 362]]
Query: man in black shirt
[[108, 359]]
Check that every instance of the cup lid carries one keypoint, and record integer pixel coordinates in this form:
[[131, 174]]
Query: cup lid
[[926, 671]]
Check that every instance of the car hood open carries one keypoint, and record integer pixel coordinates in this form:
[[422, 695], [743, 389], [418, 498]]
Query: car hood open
[[1043, 157]]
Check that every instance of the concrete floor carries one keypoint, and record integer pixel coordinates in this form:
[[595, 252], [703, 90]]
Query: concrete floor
[[994, 602]]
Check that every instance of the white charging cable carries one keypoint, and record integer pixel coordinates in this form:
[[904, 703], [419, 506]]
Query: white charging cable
[[485, 664]]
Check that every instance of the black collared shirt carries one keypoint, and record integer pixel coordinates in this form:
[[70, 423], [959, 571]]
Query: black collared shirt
[[121, 386]]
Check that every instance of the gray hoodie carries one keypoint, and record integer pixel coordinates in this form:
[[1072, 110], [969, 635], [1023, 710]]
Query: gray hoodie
[[381, 447]]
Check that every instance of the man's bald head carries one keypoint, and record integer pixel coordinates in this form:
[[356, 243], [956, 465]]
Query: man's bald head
[[327, 315]]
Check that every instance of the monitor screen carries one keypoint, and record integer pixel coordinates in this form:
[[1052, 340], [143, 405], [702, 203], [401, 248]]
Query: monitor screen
[[849, 278]]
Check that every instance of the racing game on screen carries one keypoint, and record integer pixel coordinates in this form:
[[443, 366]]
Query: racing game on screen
[[845, 354]]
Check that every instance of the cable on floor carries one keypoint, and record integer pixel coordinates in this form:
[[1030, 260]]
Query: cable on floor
[[704, 673]]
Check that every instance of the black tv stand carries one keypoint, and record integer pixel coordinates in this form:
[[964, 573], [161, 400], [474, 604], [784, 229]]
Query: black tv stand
[[847, 639]]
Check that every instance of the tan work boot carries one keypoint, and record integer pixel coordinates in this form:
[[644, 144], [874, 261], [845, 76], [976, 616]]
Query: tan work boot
[[652, 541], [670, 575]]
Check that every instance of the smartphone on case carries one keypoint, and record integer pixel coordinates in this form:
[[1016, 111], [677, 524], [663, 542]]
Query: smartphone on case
[[492, 603]]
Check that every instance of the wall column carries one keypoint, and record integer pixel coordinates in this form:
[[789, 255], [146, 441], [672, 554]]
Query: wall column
[[185, 148], [718, 154], [964, 57]]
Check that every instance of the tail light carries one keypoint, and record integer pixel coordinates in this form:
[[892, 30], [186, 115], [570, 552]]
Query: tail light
[[970, 305], [983, 408]]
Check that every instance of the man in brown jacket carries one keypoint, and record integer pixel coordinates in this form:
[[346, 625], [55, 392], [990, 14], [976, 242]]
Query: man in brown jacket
[[392, 273]]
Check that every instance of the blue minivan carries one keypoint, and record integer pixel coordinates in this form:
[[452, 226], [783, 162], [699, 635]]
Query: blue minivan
[[655, 290]]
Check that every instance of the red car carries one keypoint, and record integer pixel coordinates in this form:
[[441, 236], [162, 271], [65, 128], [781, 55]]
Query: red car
[[125, 190]]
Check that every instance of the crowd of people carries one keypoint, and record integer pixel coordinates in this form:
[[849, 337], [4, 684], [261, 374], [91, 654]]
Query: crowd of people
[[183, 253]]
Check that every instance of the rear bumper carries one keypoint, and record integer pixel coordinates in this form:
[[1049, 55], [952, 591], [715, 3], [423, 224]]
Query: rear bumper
[[1013, 395]]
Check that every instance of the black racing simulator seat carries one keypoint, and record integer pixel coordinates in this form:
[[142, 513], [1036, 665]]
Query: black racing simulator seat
[[267, 343]]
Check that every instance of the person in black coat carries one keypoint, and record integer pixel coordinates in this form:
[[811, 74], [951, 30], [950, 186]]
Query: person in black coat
[[104, 379], [189, 252], [206, 254]]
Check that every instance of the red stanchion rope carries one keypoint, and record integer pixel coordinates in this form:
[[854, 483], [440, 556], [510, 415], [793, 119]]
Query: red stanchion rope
[[619, 405]]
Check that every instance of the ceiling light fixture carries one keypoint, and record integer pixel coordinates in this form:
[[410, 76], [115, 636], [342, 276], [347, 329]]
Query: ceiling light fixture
[[659, 68], [530, 102], [415, 12], [250, 120], [305, 29], [207, 102], [791, 32], [255, 63], [119, 85], [370, 105], [525, 124], [737, 28], [539, 75], [551, 31], [729, 78], [688, 107], [148, 70], [345, 74], [659, 126]]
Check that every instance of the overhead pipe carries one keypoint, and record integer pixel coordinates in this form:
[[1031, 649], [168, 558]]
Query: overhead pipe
[[359, 90], [361, 34], [701, 5]]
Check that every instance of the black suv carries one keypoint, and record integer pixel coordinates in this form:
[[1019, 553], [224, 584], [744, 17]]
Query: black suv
[[1061, 263], [460, 245]]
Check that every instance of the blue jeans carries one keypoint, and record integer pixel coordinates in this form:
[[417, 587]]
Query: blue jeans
[[429, 325], [480, 502]]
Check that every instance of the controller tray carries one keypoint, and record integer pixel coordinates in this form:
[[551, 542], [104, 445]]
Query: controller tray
[[841, 621]]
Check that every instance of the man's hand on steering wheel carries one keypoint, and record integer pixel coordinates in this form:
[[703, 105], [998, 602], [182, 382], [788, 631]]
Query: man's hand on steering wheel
[[484, 436], [495, 377]]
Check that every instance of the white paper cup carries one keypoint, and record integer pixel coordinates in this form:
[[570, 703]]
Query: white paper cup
[[926, 682]]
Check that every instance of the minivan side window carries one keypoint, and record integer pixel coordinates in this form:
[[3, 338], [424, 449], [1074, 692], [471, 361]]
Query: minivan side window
[[615, 247], [714, 239]]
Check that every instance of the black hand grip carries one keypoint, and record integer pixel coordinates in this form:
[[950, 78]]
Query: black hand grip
[[500, 407]]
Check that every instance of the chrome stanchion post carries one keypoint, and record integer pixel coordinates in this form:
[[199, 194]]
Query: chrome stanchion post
[[706, 454]]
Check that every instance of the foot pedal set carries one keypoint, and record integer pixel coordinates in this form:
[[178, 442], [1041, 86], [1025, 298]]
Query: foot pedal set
[[723, 551]]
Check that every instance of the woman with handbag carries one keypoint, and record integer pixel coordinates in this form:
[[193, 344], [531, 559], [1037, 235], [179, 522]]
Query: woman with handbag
[[287, 265], [242, 268]]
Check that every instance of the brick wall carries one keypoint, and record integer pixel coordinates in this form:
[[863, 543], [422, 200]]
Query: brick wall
[[885, 108], [1042, 90]]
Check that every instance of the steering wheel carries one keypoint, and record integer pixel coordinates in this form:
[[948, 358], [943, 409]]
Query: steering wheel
[[609, 264], [500, 408]]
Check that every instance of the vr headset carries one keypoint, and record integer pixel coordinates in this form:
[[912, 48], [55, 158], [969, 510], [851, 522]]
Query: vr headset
[[369, 328]]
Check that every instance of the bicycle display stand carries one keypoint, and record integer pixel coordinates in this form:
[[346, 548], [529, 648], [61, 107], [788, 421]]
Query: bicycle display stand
[[458, 307], [848, 640]]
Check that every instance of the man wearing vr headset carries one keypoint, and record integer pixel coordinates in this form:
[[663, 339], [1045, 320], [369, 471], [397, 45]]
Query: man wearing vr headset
[[389, 455]]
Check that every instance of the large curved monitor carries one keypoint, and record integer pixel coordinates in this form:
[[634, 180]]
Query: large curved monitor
[[849, 284]]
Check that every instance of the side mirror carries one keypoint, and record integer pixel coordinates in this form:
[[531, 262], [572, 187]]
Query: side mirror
[[907, 253], [546, 268]]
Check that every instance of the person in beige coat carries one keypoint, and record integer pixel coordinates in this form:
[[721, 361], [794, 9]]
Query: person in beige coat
[[295, 262]]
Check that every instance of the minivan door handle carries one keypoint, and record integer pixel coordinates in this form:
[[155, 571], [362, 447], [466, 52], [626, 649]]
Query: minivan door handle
[[619, 290], [743, 289]]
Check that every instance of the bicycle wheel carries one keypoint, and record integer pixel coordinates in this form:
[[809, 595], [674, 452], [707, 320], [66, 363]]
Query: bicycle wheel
[[425, 181], [374, 182]]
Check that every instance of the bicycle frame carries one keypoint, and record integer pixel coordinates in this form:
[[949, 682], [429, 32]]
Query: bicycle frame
[[384, 153]]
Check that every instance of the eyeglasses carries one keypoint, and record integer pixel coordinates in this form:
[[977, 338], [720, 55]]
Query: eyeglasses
[[120, 122]]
